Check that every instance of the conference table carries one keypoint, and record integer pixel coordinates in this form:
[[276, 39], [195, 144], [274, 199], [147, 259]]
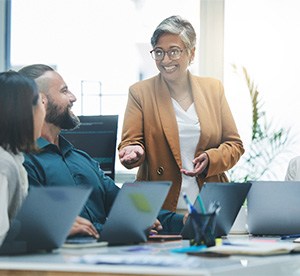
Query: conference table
[[152, 258]]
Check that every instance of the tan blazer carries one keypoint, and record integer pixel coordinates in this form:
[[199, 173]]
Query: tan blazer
[[150, 122]]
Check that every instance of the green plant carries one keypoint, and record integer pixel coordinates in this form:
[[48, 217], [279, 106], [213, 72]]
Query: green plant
[[267, 141]]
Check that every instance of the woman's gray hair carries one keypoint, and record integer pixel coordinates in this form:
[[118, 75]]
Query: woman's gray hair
[[178, 26]]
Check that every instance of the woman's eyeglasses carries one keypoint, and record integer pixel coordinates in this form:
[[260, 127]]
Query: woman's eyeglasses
[[173, 54]]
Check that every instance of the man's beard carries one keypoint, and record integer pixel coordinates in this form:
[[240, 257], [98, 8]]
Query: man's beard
[[63, 120]]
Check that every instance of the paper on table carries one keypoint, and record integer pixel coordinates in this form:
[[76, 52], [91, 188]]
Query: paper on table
[[256, 248], [296, 240], [137, 259]]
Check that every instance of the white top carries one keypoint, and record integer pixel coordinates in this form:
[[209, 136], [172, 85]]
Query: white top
[[13, 187], [293, 171], [189, 134]]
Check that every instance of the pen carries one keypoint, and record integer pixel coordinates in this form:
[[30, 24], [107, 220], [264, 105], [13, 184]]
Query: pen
[[293, 236], [202, 208], [189, 204]]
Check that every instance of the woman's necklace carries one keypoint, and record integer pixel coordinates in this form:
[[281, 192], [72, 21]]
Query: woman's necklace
[[183, 98], [185, 101]]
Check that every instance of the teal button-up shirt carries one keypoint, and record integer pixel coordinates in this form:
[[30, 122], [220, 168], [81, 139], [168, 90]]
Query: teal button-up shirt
[[68, 166]]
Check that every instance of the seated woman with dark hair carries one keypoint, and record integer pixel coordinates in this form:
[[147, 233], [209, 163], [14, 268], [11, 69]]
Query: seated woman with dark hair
[[21, 117]]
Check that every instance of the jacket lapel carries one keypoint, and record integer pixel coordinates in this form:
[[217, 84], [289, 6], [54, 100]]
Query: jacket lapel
[[168, 117]]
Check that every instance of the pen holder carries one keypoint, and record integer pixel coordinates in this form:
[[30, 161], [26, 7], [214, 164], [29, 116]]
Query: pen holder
[[204, 228]]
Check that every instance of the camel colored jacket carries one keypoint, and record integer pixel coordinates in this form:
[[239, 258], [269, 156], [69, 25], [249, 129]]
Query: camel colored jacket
[[150, 122]]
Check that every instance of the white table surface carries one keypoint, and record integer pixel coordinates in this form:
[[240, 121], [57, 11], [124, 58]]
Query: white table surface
[[60, 262]]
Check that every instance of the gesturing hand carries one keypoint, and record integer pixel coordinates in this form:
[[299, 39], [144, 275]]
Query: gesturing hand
[[200, 164], [130, 156]]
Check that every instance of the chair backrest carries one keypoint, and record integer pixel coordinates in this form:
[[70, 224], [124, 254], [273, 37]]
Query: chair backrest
[[97, 135]]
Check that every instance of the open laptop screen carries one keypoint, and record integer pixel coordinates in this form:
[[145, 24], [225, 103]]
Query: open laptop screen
[[273, 208], [44, 219], [134, 211], [231, 197]]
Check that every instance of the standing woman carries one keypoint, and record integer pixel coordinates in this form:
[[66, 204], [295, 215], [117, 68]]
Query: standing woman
[[177, 126], [21, 118]]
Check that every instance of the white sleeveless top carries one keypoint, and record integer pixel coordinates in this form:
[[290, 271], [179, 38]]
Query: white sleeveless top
[[189, 134]]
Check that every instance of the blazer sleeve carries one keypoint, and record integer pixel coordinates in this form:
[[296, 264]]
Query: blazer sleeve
[[224, 156], [133, 128]]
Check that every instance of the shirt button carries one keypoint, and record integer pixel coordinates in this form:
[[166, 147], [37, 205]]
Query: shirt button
[[160, 171]]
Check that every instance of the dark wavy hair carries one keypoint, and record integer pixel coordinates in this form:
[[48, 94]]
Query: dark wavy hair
[[18, 95]]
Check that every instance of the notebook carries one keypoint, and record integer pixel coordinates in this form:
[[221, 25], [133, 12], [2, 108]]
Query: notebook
[[231, 197], [273, 208], [134, 210], [44, 219]]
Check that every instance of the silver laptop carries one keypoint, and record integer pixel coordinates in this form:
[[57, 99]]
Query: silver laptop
[[274, 207], [134, 211], [231, 197], [44, 220]]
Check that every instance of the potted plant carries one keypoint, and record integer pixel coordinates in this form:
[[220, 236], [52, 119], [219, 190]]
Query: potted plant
[[266, 144]]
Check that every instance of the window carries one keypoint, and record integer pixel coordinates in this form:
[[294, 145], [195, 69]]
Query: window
[[261, 35], [99, 47]]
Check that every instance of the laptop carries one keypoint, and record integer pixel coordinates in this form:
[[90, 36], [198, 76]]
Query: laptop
[[273, 208], [44, 219], [231, 197], [134, 211]]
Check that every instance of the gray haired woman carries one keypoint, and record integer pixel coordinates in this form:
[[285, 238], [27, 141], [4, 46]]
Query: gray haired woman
[[178, 126]]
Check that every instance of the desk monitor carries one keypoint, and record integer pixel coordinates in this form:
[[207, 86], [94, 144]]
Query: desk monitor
[[97, 135]]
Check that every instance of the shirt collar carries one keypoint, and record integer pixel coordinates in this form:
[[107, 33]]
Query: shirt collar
[[64, 144], [42, 142]]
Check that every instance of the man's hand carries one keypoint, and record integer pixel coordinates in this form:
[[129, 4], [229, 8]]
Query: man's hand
[[83, 226], [155, 227], [185, 217]]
